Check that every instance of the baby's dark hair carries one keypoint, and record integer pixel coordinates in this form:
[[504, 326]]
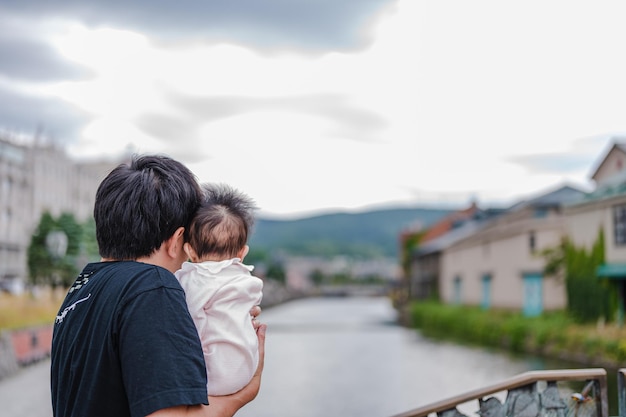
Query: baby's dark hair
[[223, 222]]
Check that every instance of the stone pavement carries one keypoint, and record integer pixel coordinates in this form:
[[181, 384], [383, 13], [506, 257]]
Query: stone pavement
[[27, 392]]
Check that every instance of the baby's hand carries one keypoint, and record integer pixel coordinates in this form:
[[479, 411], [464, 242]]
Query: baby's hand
[[254, 312]]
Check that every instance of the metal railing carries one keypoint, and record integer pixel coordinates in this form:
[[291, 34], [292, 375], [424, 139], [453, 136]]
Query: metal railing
[[621, 392], [557, 393]]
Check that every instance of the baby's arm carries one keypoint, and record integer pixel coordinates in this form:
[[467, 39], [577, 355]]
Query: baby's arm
[[230, 340]]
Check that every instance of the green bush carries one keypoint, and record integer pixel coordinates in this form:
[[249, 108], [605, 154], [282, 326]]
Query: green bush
[[553, 333]]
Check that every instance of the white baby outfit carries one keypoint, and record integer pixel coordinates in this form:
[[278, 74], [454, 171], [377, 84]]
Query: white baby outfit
[[219, 296]]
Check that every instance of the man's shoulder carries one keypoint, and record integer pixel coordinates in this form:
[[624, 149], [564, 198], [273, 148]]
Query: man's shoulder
[[132, 274]]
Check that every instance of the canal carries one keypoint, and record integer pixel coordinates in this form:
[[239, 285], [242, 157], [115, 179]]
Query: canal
[[347, 357], [337, 357]]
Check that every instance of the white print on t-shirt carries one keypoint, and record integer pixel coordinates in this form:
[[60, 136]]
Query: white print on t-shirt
[[60, 318]]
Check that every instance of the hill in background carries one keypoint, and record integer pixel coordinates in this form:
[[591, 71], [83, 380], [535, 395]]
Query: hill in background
[[366, 234]]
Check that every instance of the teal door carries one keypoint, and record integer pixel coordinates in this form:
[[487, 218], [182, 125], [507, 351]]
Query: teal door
[[486, 297], [533, 295]]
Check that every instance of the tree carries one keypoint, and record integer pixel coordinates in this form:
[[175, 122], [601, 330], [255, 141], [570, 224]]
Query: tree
[[74, 231], [317, 277], [408, 244], [276, 271], [257, 256], [39, 260], [588, 298], [89, 243], [46, 268]]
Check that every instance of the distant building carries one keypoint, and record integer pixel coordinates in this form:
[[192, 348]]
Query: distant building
[[15, 213], [611, 170], [604, 210], [424, 260], [299, 269], [34, 179], [499, 265]]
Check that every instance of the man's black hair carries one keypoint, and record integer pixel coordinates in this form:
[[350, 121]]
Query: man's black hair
[[140, 205]]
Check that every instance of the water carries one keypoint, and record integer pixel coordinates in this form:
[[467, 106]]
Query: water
[[347, 357], [336, 357]]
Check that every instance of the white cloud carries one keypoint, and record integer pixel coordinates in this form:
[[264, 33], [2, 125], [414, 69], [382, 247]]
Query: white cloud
[[446, 103]]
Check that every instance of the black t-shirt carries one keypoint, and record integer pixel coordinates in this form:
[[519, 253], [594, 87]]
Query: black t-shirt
[[124, 344]]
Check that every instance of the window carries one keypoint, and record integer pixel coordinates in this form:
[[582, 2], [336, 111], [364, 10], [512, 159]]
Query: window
[[532, 242], [458, 290], [619, 225], [5, 192], [6, 216]]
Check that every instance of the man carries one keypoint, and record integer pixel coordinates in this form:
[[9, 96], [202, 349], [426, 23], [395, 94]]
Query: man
[[124, 343]]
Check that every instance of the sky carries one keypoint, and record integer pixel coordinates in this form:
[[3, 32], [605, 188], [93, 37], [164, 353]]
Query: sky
[[313, 106]]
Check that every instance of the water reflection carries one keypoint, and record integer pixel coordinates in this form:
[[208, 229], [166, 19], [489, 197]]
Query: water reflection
[[346, 357]]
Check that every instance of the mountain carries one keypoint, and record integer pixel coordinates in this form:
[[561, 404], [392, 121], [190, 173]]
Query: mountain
[[365, 234]]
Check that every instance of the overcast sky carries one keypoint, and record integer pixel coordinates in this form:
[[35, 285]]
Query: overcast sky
[[319, 105]]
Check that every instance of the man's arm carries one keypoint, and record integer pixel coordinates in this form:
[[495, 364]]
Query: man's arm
[[227, 405]]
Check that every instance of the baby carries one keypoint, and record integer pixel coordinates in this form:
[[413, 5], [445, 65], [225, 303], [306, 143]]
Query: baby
[[220, 290]]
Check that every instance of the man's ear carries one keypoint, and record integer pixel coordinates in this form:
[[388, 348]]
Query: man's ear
[[175, 243]]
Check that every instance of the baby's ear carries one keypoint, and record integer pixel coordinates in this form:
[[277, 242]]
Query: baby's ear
[[243, 252], [190, 252]]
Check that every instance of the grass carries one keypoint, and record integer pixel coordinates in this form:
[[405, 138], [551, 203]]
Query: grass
[[26, 310], [552, 334]]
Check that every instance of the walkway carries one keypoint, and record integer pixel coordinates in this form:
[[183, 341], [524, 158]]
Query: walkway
[[27, 393]]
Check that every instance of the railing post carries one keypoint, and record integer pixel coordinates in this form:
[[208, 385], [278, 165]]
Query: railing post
[[621, 392]]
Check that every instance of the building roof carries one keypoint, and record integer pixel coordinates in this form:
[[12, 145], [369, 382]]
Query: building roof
[[449, 222], [446, 240], [465, 223], [602, 193], [454, 227], [563, 195], [619, 144]]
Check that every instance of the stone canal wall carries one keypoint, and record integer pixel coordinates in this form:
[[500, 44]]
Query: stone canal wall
[[8, 364], [22, 347]]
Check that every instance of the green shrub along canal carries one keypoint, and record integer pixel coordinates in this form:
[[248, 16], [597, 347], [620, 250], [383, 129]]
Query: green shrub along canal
[[551, 335]]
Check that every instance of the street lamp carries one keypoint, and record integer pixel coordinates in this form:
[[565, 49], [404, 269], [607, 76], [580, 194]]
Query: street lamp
[[56, 244]]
